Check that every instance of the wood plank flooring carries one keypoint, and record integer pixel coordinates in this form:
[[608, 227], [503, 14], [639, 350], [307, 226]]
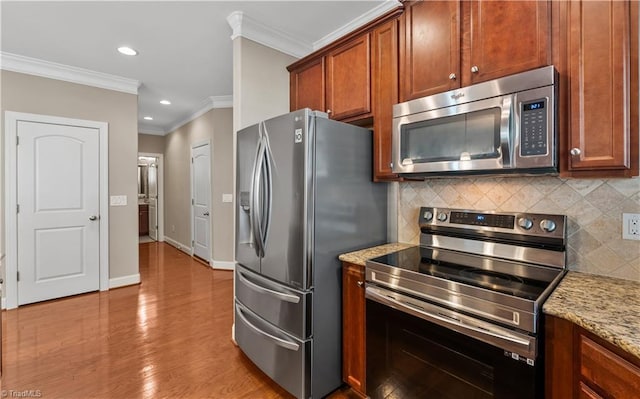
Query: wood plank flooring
[[169, 337]]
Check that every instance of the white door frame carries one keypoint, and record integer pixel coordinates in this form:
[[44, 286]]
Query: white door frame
[[160, 203], [193, 227], [11, 193]]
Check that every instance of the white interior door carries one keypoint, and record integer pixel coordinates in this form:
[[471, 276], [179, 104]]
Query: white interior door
[[58, 224], [152, 180], [201, 199]]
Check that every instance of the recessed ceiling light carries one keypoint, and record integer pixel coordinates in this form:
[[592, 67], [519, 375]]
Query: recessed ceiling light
[[127, 50], [165, 102], [148, 118]]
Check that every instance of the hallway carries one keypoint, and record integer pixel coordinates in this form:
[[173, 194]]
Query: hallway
[[169, 337]]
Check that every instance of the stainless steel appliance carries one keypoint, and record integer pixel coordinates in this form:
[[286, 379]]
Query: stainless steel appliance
[[305, 195], [460, 315], [503, 126]]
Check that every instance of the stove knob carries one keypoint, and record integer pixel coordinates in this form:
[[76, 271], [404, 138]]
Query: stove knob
[[548, 225], [427, 215], [442, 216], [525, 223]]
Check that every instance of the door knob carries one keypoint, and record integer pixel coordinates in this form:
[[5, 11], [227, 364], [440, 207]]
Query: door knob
[[93, 217], [475, 69], [206, 214]]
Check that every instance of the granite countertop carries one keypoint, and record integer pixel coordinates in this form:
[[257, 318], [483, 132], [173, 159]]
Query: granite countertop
[[605, 306], [359, 257]]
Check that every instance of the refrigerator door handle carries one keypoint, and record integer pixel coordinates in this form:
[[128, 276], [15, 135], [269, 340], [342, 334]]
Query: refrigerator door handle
[[255, 214], [280, 295], [278, 341], [268, 172]]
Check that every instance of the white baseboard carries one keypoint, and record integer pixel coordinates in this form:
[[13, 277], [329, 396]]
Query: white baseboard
[[222, 264], [124, 281], [184, 248]]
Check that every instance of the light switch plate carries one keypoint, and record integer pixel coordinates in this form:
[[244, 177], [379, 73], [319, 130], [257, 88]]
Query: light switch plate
[[227, 197], [118, 200]]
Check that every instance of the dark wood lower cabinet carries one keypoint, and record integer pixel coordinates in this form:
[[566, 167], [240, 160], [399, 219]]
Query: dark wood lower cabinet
[[353, 327], [582, 365]]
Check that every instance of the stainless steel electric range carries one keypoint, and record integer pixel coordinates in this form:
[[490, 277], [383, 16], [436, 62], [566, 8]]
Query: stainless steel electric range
[[460, 315]]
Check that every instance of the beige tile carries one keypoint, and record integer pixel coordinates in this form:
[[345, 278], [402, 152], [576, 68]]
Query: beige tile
[[427, 195], [547, 184], [583, 212], [470, 192], [626, 206], [604, 230], [584, 186], [498, 195], [583, 241], [564, 196], [605, 259], [485, 204], [605, 197], [626, 272], [545, 205], [626, 187], [628, 250], [454, 198]]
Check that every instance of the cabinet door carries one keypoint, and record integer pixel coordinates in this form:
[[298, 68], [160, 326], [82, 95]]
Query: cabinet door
[[353, 326], [430, 48], [348, 84], [384, 69], [504, 37], [600, 88], [307, 86]]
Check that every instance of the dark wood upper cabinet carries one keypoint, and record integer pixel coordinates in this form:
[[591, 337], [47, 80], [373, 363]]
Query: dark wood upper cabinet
[[449, 44], [384, 70], [429, 48], [348, 79], [501, 38], [601, 69], [307, 86]]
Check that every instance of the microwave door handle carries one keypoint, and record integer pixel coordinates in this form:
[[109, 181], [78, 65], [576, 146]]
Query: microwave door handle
[[505, 132]]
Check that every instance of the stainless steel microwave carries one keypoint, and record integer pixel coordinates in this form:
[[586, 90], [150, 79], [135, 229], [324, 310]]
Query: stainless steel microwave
[[504, 126]]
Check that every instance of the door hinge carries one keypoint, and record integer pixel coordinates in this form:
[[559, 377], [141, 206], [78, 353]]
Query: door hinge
[[191, 159], [192, 202], [17, 140], [17, 208], [18, 275], [192, 243]]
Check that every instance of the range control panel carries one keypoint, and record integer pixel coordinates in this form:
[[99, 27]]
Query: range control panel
[[533, 128], [522, 224]]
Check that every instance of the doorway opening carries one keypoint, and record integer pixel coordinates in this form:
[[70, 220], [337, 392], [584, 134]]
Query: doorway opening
[[150, 198]]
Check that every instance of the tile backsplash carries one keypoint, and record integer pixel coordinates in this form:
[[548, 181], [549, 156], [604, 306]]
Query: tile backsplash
[[593, 207]]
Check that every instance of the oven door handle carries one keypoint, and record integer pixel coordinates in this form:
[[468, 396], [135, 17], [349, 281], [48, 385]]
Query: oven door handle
[[456, 325]]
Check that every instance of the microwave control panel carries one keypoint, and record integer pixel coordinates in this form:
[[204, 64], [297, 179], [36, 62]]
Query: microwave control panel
[[533, 128]]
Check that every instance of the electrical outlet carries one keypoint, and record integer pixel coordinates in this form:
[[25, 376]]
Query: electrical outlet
[[631, 226]]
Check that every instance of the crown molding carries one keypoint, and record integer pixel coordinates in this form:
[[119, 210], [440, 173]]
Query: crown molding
[[67, 73], [207, 104], [380, 10], [247, 27]]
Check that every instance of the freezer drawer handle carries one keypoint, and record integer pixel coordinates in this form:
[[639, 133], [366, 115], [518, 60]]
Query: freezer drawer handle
[[278, 341], [280, 295]]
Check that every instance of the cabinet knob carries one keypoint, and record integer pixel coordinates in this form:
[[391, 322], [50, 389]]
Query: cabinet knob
[[391, 165], [328, 111], [452, 76], [575, 151], [360, 283], [475, 69]]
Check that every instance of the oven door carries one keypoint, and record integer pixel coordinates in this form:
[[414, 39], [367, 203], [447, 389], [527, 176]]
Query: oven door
[[468, 137], [409, 356]]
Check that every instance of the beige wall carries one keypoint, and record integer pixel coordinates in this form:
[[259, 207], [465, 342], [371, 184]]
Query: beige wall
[[37, 95], [594, 209], [215, 126], [260, 82], [150, 143]]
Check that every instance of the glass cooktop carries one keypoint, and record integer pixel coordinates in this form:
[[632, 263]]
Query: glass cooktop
[[478, 271]]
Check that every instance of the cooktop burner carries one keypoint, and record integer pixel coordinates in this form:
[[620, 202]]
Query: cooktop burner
[[467, 269]]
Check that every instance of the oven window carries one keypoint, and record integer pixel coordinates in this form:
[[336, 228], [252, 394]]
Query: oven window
[[474, 135], [408, 357]]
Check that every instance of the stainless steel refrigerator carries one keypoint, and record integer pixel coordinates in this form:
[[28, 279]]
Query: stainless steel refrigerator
[[305, 195]]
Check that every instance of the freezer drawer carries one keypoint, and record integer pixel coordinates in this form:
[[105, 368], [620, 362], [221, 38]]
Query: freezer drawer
[[282, 357], [284, 307]]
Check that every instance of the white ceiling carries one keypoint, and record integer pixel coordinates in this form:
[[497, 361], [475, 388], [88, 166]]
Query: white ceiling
[[185, 49]]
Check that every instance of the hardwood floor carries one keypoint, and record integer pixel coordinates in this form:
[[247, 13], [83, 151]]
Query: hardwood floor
[[170, 336]]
